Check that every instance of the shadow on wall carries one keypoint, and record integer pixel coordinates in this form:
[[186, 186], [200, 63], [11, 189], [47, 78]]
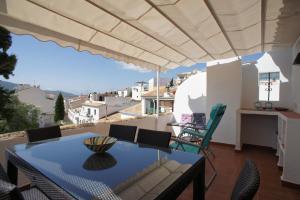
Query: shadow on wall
[[196, 104], [249, 86]]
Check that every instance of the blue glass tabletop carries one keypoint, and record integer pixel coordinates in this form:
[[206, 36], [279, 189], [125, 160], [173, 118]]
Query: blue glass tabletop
[[126, 171]]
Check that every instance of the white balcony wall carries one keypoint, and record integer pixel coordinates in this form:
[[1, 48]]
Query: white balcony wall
[[190, 97], [295, 79], [224, 85], [296, 88]]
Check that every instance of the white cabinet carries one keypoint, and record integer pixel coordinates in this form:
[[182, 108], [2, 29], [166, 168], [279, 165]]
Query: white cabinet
[[288, 141], [290, 148]]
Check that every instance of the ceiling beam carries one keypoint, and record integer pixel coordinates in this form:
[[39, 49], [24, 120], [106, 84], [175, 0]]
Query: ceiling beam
[[210, 8], [177, 26]]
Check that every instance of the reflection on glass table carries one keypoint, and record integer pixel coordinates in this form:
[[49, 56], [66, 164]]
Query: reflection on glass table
[[65, 168]]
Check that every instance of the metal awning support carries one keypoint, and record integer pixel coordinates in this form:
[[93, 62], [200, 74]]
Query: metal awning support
[[157, 96], [157, 91]]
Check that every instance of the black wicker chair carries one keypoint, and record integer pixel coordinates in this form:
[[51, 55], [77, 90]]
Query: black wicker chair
[[38, 134], [154, 138], [122, 132], [9, 191], [247, 183]]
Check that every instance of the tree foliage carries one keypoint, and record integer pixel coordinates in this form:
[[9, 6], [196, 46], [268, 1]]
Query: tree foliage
[[14, 115], [22, 116], [7, 62], [7, 66], [171, 84], [59, 108]]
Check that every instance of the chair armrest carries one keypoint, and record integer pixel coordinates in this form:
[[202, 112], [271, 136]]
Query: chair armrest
[[192, 132], [187, 125], [196, 126], [182, 141]]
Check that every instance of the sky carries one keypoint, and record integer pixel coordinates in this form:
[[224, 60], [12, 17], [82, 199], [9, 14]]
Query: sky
[[57, 68]]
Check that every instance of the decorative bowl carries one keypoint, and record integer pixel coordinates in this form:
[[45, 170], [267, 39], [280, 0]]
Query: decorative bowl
[[99, 144]]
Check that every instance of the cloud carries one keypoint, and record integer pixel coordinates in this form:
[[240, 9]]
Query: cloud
[[132, 67]]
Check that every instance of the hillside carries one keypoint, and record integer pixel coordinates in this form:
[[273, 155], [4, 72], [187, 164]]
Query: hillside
[[11, 86], [8, 85]]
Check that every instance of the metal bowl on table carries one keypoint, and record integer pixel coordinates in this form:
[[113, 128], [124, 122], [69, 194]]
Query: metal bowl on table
[[99, 144]]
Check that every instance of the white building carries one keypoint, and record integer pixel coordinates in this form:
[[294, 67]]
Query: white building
[[162, 82], [123, 93], [92, 111], [149, 101], [89, 112], [138, 91], [75, 102]]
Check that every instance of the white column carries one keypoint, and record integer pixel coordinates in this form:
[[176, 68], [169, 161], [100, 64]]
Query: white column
[[157, 97], [157, 91]]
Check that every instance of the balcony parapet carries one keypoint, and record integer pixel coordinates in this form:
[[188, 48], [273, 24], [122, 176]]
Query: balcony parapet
[[12, 135]]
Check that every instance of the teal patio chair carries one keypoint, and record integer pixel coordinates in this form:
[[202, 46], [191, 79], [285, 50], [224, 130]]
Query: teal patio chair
[[180, 143], [193, 133]]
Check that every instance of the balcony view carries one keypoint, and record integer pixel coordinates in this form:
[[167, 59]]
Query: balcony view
[[151, 99]]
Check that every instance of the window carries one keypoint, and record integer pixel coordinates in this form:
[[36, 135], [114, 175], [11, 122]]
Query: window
[[269, 86]]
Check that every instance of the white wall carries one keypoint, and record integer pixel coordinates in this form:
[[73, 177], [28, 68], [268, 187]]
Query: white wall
[[296, 88], [92, 110], [190, 97], [143, 111], [137, 92], [295, 79], [224, 86], [162, 82], [265, 134], [113, 101]]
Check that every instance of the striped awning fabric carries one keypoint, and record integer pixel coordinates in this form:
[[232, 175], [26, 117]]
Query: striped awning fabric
[[151, 33]]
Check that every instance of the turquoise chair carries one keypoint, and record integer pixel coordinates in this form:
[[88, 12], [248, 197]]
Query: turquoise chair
[[180, 143], [192, 133]]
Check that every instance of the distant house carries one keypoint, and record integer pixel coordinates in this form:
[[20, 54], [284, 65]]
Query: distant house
[[166, 101], [89, 112], [183, 76], [138, 91], [93, 109], [153, 82], [75, 102], [123, 93], [42, 100]]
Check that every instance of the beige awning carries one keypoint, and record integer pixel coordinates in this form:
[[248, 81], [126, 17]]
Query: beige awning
[[151, 33]]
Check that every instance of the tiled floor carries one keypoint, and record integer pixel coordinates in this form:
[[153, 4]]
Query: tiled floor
[[229, 163]]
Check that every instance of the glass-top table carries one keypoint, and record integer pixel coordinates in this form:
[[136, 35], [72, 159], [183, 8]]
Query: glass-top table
[[64, 168]]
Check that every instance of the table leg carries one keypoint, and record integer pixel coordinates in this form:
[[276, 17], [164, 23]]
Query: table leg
[[199, 184], [238, 143], [12, 172]]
